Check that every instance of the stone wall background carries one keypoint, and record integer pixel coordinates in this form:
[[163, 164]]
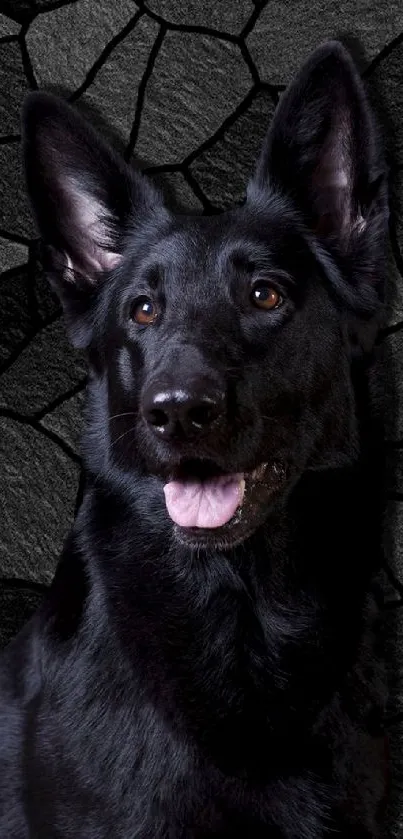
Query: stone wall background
[[188, 88]]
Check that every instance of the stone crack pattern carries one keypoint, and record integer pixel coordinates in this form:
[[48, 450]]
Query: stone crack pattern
[[187, 88]]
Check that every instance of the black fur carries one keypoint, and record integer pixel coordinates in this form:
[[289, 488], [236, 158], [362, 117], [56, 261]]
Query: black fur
[[185, 684]]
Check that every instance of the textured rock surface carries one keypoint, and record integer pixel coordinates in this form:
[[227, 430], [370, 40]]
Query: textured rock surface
[[386, 84], [66, 420], [38, 485], [190, 93], [225, 167], [8, 26], [15, 212], [16, 320], [394, 386], [114, 91], [12, 254], [287, 30], [13, 87], [226, 15], [47, 368], [394, 289], [64, 44], [177, 192]]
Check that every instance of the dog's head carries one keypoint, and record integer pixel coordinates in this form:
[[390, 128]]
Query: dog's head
[[220, 348]]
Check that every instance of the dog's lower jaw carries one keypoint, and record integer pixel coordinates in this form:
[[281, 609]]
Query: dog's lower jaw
[[263, 490], [248, 519], [211, 539]]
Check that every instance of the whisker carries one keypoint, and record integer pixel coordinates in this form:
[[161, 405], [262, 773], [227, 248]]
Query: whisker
[[125, 414], [123, 435]]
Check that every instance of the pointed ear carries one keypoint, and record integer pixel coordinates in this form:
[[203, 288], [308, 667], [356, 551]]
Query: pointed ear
[[321, 150], [84, 198]]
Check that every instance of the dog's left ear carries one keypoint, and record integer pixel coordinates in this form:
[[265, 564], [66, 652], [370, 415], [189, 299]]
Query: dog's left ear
[[321, 150], [85, 200]]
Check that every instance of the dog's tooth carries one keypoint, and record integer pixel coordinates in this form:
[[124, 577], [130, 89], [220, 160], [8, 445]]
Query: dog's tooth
[[241, 488], [259, 471]]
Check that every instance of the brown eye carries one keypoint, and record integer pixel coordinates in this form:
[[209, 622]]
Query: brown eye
[[144, 311], [264, 296]]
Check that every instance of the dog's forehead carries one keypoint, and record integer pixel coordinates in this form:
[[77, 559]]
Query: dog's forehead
[[207, 245], [214, 252]]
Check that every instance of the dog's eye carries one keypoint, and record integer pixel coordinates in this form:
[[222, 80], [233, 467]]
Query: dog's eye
[[264, 296], [144, 311]]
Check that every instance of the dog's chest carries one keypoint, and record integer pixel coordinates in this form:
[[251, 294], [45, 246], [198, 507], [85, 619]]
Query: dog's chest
[[147, 780]]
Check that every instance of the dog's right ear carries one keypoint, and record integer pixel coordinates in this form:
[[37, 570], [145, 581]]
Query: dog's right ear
[[84, 198], [322, 151]]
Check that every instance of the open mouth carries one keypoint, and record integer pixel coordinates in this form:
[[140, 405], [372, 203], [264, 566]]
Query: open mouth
[[201, 497]]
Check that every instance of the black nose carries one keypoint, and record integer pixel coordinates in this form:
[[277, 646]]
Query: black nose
[[182, 413]]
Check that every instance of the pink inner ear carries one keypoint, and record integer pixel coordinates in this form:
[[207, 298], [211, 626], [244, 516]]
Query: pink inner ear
[[100, 260], [106, 261], [111, 260], [95, 224]]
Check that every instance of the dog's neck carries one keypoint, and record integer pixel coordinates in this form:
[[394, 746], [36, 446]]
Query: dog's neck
[[291, 550], [198, 624]]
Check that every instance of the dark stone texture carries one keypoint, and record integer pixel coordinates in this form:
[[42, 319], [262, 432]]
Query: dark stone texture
[[394, 290], [15, 212], [45, 370], [8, 26], [13, 87], [224, 169], [394, 387], [66, 421], [12, 254], [226, 16], [288, 30], [386, 84], [394, 538], [60, 47], [38, 486], [15, 318], [113, 93], [178, 193], [17, 10], [27, 301], [196, 83]]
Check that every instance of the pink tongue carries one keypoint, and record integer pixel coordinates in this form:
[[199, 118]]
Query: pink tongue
[[209, 503]]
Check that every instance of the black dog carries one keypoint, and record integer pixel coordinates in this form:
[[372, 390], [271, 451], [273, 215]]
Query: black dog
[[202, 666]]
